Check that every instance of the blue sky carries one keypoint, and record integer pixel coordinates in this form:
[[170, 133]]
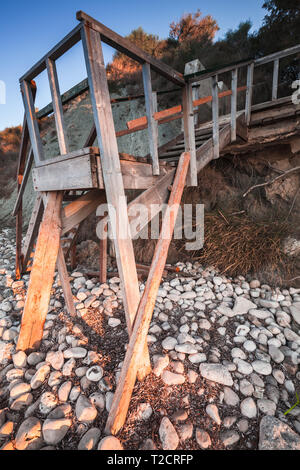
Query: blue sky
[[29, 29]]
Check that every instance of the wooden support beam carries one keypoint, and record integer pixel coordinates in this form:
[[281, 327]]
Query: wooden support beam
[[65, 282], [32, 231], [122, 396], [75, 212], [249, 92], [152, 126], [234, 80], [189, 132], [22, 176], [42, 274], [275, 80], [23, 184], [215, 116], [32, 123], [112, 176], [57, 107], [103, 258]]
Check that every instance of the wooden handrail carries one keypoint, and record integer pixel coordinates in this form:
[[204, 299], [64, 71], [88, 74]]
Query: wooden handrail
[[139, 123]]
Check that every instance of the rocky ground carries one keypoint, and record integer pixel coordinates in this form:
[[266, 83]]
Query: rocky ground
[[225, 356]]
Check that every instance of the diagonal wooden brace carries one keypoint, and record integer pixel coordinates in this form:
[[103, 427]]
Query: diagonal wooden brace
[[42, 274], [127, 378]]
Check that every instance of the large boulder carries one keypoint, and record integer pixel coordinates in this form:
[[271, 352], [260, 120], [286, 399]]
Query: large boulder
[[276, 435]]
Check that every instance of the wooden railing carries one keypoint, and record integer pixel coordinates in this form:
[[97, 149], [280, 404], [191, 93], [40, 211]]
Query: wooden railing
[[234, 68], [48, 62]]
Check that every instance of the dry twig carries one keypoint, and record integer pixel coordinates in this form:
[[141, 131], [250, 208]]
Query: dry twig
[[286, 173]]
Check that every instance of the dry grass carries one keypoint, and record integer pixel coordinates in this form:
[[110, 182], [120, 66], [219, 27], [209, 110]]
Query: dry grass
[[237, 245]]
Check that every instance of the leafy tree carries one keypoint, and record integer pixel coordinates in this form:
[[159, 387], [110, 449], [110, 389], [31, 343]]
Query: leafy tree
[[123, 66], [281, 28], [194, 27]]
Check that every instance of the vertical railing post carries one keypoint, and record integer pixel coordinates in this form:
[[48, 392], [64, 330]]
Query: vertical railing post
[[189, 132], [249, 93], [113, 181], [215, 116], [152, 128], [57, 107], [196, 96], [33, 128], [234, 80], [275, 80]]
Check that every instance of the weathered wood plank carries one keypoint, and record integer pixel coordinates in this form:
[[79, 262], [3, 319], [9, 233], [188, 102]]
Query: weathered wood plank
[[18, 212], [41, 277], [234, 81], [103, 258], [278, 55], [112, 176], [275, 80], [249, 93], [215, 116], [65, 282], [57, 107], [77, 211], [160, 116], [32, 231], [152, 126], [189, 133], [69, 174], [32, 123], [22, 186], [122, 396]]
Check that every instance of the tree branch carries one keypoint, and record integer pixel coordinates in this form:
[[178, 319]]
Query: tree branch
[[283, 175]]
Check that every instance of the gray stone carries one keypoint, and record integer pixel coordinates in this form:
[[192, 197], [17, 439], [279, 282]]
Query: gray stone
[[276, 435], [246, 388], [40, 376], [110, 443], [169, 378], [76, 353], [230, 397], [260, 314], [54, 430], [29, 435], [216, 373], [143, 412], [64, 391], [47, 403], [90, 439], [295, 311], [203, 439], [267, 407], [19, 359], [55, 359], [85, 410], [213, 413], [248, 408], [169, 343], [276, 354], [94, 373], [262, 367], [229, 438], [168, 435], [242, 306]]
